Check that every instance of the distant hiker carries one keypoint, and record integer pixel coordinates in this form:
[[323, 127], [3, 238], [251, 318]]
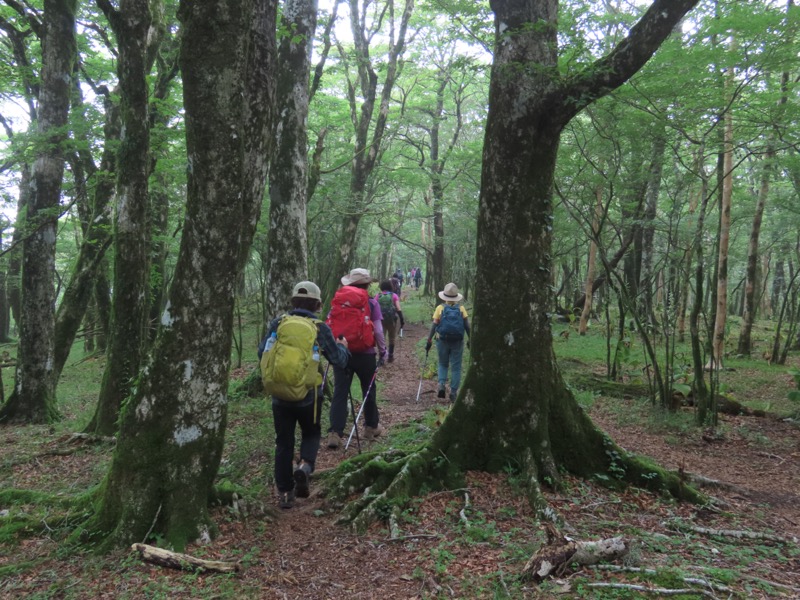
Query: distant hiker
[[450, 322], [290, 369], [418, 277], [358, 317], [392, 315], [397, 281]]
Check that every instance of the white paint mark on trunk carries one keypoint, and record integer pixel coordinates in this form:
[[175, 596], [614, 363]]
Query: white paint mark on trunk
[[184, 435]]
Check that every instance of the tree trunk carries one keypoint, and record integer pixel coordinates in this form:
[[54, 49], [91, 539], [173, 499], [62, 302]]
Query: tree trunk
[[33, 399], [159, 190], [287, 245], [718, 346], [648, 284], [699, 388], [130, 301], [365, 151], [172, 429], [96, 239], [588, 292], [751, 286]]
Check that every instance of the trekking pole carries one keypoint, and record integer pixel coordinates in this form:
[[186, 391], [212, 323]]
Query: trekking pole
[[361, 410], [422, 375], [353, 412]]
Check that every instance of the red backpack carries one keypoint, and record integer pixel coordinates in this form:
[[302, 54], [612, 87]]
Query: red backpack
[[350, 317]]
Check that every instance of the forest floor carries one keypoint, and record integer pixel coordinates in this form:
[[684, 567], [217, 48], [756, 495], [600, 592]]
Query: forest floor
[[449, 548]]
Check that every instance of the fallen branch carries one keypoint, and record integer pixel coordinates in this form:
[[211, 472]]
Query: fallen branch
[[741, 574], [718, 587], [707, 482], [463, 513], [648, 590], [177, 560], [560, 552], [412, 536], [734, 533]]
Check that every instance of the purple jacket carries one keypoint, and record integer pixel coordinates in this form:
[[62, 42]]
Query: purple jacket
[[377, 324]]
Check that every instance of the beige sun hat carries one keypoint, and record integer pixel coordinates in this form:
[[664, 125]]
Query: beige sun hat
[[357, 277], [450, 293], [307, 289]]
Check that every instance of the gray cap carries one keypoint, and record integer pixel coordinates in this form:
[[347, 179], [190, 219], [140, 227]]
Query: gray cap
[[307, 289]]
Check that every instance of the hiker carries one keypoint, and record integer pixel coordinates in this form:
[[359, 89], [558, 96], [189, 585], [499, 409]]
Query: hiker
[[357, 316], [393, 319], [450, 322], [292, 339], [397, 281], [418, 277]]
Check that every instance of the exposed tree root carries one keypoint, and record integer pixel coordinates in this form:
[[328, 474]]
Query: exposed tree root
[[388, 480]]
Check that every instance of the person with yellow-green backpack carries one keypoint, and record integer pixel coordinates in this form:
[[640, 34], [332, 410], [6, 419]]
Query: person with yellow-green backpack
[[290, 371]]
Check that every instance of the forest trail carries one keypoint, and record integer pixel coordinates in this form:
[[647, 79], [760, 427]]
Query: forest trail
[[303, 553]]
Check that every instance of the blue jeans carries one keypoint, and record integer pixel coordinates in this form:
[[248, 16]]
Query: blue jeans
[[450, 352]]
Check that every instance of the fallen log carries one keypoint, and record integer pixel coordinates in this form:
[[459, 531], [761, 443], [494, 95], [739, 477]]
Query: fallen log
[[560, 552], [177, 560]]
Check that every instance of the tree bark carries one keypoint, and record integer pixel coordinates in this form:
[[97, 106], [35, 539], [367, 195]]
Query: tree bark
[[172, 429], [33, 398], [287, 244]]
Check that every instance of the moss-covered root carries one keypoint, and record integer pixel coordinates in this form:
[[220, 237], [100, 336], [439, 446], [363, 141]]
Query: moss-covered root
[[387, 482], [624, 468]]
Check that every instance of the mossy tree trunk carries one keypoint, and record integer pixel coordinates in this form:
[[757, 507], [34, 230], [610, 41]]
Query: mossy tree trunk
[[134, 28], [96, 240], [33, 398], [172, 428], [287, 244], [514, 408]]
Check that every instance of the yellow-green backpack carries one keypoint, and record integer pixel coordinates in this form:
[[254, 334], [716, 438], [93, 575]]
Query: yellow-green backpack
[[290, 369]]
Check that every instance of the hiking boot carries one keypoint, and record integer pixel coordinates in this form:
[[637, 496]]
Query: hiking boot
[[286, 499], [453, 395], [334, 440], [391, 358], [370, 433], [301, 476], [440, 394]]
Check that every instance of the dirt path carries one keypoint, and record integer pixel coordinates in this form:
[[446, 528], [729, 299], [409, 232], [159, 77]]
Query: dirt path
[[303, 553]]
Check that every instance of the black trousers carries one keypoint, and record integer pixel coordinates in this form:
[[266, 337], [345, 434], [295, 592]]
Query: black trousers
[[286, 416]]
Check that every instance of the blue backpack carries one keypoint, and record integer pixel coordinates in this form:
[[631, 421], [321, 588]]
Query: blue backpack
[[451, 325]]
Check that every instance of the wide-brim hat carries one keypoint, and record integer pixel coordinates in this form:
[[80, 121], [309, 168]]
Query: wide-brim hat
[[357, 277], [450, 293], [307, 289]]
